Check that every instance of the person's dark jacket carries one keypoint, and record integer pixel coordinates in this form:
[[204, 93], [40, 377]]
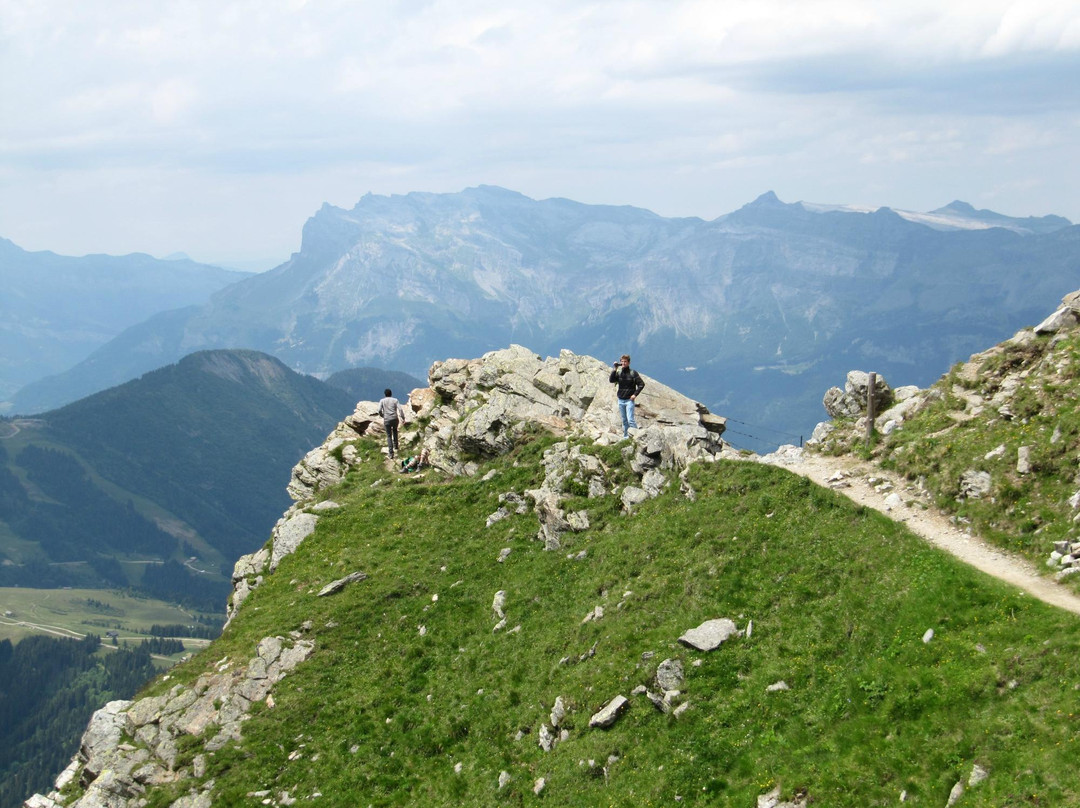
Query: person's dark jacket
[[629, 381]]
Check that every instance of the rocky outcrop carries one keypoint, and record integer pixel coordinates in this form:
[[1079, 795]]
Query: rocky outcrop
[[1016, 390], [851, 402], [130, 746], [479, 408]]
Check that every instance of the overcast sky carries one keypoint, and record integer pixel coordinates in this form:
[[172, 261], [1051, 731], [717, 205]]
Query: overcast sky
[[217, 127]]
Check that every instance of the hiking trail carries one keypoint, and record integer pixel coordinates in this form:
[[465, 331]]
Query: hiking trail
[[866, 484]]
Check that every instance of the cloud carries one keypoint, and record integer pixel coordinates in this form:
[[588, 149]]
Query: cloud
[[684, 106]]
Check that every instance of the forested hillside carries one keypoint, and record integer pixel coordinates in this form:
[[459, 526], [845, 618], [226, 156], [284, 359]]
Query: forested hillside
[[160, 483]]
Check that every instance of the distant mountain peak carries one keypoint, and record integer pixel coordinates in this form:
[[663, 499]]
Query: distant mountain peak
[[959, 206], [768, 199]]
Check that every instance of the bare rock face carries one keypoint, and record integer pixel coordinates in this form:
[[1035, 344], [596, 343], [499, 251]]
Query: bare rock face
[[486, 404], [129, 746], [477, 408], [851, 401]]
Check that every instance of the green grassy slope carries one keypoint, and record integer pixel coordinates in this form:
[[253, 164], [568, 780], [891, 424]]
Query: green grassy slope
[[409, 680]]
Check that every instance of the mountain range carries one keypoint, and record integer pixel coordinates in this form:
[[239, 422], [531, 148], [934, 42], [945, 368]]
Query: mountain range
[[752, 313], [56, 309]]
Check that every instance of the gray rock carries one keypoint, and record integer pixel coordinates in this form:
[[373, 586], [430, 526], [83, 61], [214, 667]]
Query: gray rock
[[821, 432], [710, 634], [546, 738], [653, 482], [250, 565], [98, 748], [341, 583], [838, 404], [956, 793], [288, 534], [978, 774], [497, 516], [1062, 319], [975, 484], [578, 521], [633, 496], [1023, 460], [558, 712], [41, 801], [669, 675], [609, 713], [200, 800]]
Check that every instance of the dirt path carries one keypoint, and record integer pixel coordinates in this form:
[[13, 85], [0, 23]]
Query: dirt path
[[866, 484]]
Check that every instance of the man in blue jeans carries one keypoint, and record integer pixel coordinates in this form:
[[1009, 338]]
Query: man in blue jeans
[[630, 387]]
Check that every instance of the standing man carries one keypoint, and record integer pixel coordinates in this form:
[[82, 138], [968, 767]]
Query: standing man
[[630, 386], [391, 412]]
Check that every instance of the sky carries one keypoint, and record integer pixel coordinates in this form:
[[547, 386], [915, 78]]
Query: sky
[[216, 128]]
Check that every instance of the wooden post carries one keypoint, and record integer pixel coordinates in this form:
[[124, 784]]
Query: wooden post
[[870, 414]]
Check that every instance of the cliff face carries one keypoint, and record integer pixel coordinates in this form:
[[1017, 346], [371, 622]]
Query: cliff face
[[474, 409]]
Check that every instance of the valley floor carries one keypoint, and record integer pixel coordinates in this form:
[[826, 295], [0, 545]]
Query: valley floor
[[870, 486]]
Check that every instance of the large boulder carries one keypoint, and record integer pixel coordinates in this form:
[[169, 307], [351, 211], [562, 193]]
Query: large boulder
[[851, 401]]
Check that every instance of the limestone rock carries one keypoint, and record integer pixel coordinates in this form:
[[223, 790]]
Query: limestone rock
[[609, 713], [710, 634], [341, 583], [632, 496], [558, 712], [956, 793], [975, 484], [669, 675], [288, 534], [851, 401]]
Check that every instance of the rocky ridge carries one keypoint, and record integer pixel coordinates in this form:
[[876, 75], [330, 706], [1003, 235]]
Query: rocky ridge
[[1019, 391], [473, 409]]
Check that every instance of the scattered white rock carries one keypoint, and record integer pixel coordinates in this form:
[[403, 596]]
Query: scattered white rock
[[956, 793], [609, 713], [558, 712], [669, 675], [710, 634], [776, 687], [928, 635], [595, 614], [1023, 460]]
